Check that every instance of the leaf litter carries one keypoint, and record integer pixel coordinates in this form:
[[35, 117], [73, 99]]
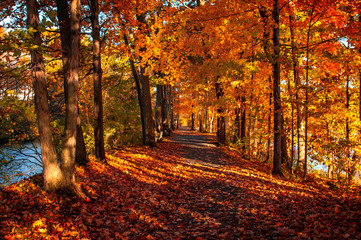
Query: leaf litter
[[179, 190]]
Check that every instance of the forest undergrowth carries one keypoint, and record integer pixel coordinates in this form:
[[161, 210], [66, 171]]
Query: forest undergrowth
[[185, 188]]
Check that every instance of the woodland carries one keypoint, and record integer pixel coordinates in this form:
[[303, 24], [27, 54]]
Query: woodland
[[270, 88]]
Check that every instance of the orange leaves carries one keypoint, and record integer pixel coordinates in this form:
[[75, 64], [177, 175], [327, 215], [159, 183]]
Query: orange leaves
[[184, 189]]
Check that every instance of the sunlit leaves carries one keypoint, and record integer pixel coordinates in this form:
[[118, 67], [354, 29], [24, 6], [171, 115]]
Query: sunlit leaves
[[178, 191]]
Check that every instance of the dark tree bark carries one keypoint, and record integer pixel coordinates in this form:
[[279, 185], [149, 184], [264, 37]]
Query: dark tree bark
[[71, 100], [139, 89], [97, 80], [243, 122], [147, 107], [164, 104], [192, 120], [53, 177], [221, 119], [81, 156], [277, 156]]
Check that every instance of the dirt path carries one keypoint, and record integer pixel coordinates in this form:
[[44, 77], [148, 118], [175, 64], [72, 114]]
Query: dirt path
[[197, 148], [184, 188]]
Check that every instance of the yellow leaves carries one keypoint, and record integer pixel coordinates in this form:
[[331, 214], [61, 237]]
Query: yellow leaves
[[40, 225]]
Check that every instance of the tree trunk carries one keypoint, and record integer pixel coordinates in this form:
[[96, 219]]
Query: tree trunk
[[285, 156], [211, 122], [148, 121], [71, 100], [52, 174], [221, 119], [192, 120], [266, 48], [296, 78], [237, 123], [147, 107], [81, 155], [164, 103], [277, 156], [306, 100], [97, 79], [243, 123], [269, 122], [158, 115], [139, 89], [171, 108]]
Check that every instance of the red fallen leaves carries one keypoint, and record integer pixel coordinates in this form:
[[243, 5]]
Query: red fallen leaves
[[164, 193]]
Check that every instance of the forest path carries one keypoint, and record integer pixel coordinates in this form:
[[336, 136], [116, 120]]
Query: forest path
[[184, 188], [197, 148]]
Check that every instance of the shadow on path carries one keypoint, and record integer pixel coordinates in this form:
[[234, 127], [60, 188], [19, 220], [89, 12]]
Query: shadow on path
[[197, 148]]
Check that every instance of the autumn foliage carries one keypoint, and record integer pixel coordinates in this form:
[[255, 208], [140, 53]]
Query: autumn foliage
[[269, 82], [186, 188]]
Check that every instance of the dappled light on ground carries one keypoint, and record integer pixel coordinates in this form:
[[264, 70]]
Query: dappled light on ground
[[175, 191]]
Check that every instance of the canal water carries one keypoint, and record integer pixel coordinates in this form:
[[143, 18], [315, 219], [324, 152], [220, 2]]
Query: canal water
[[19, 161]]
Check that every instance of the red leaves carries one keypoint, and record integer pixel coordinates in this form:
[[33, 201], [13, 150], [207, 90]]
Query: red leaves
[[175, 192]]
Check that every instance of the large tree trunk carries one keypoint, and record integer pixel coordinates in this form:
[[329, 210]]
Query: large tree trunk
[[71, 100], [53, 176], [97, 79], [81, 155], [147, 106], [277, 156]]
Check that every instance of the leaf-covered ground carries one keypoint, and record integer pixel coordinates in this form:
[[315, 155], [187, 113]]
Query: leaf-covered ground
[[185, 188]]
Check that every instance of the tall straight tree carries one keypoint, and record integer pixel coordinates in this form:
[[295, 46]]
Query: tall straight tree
[[299, 108], [71, 99], [97, 79], [148, 121], [51, 171], [277, 156], [64, 26]]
